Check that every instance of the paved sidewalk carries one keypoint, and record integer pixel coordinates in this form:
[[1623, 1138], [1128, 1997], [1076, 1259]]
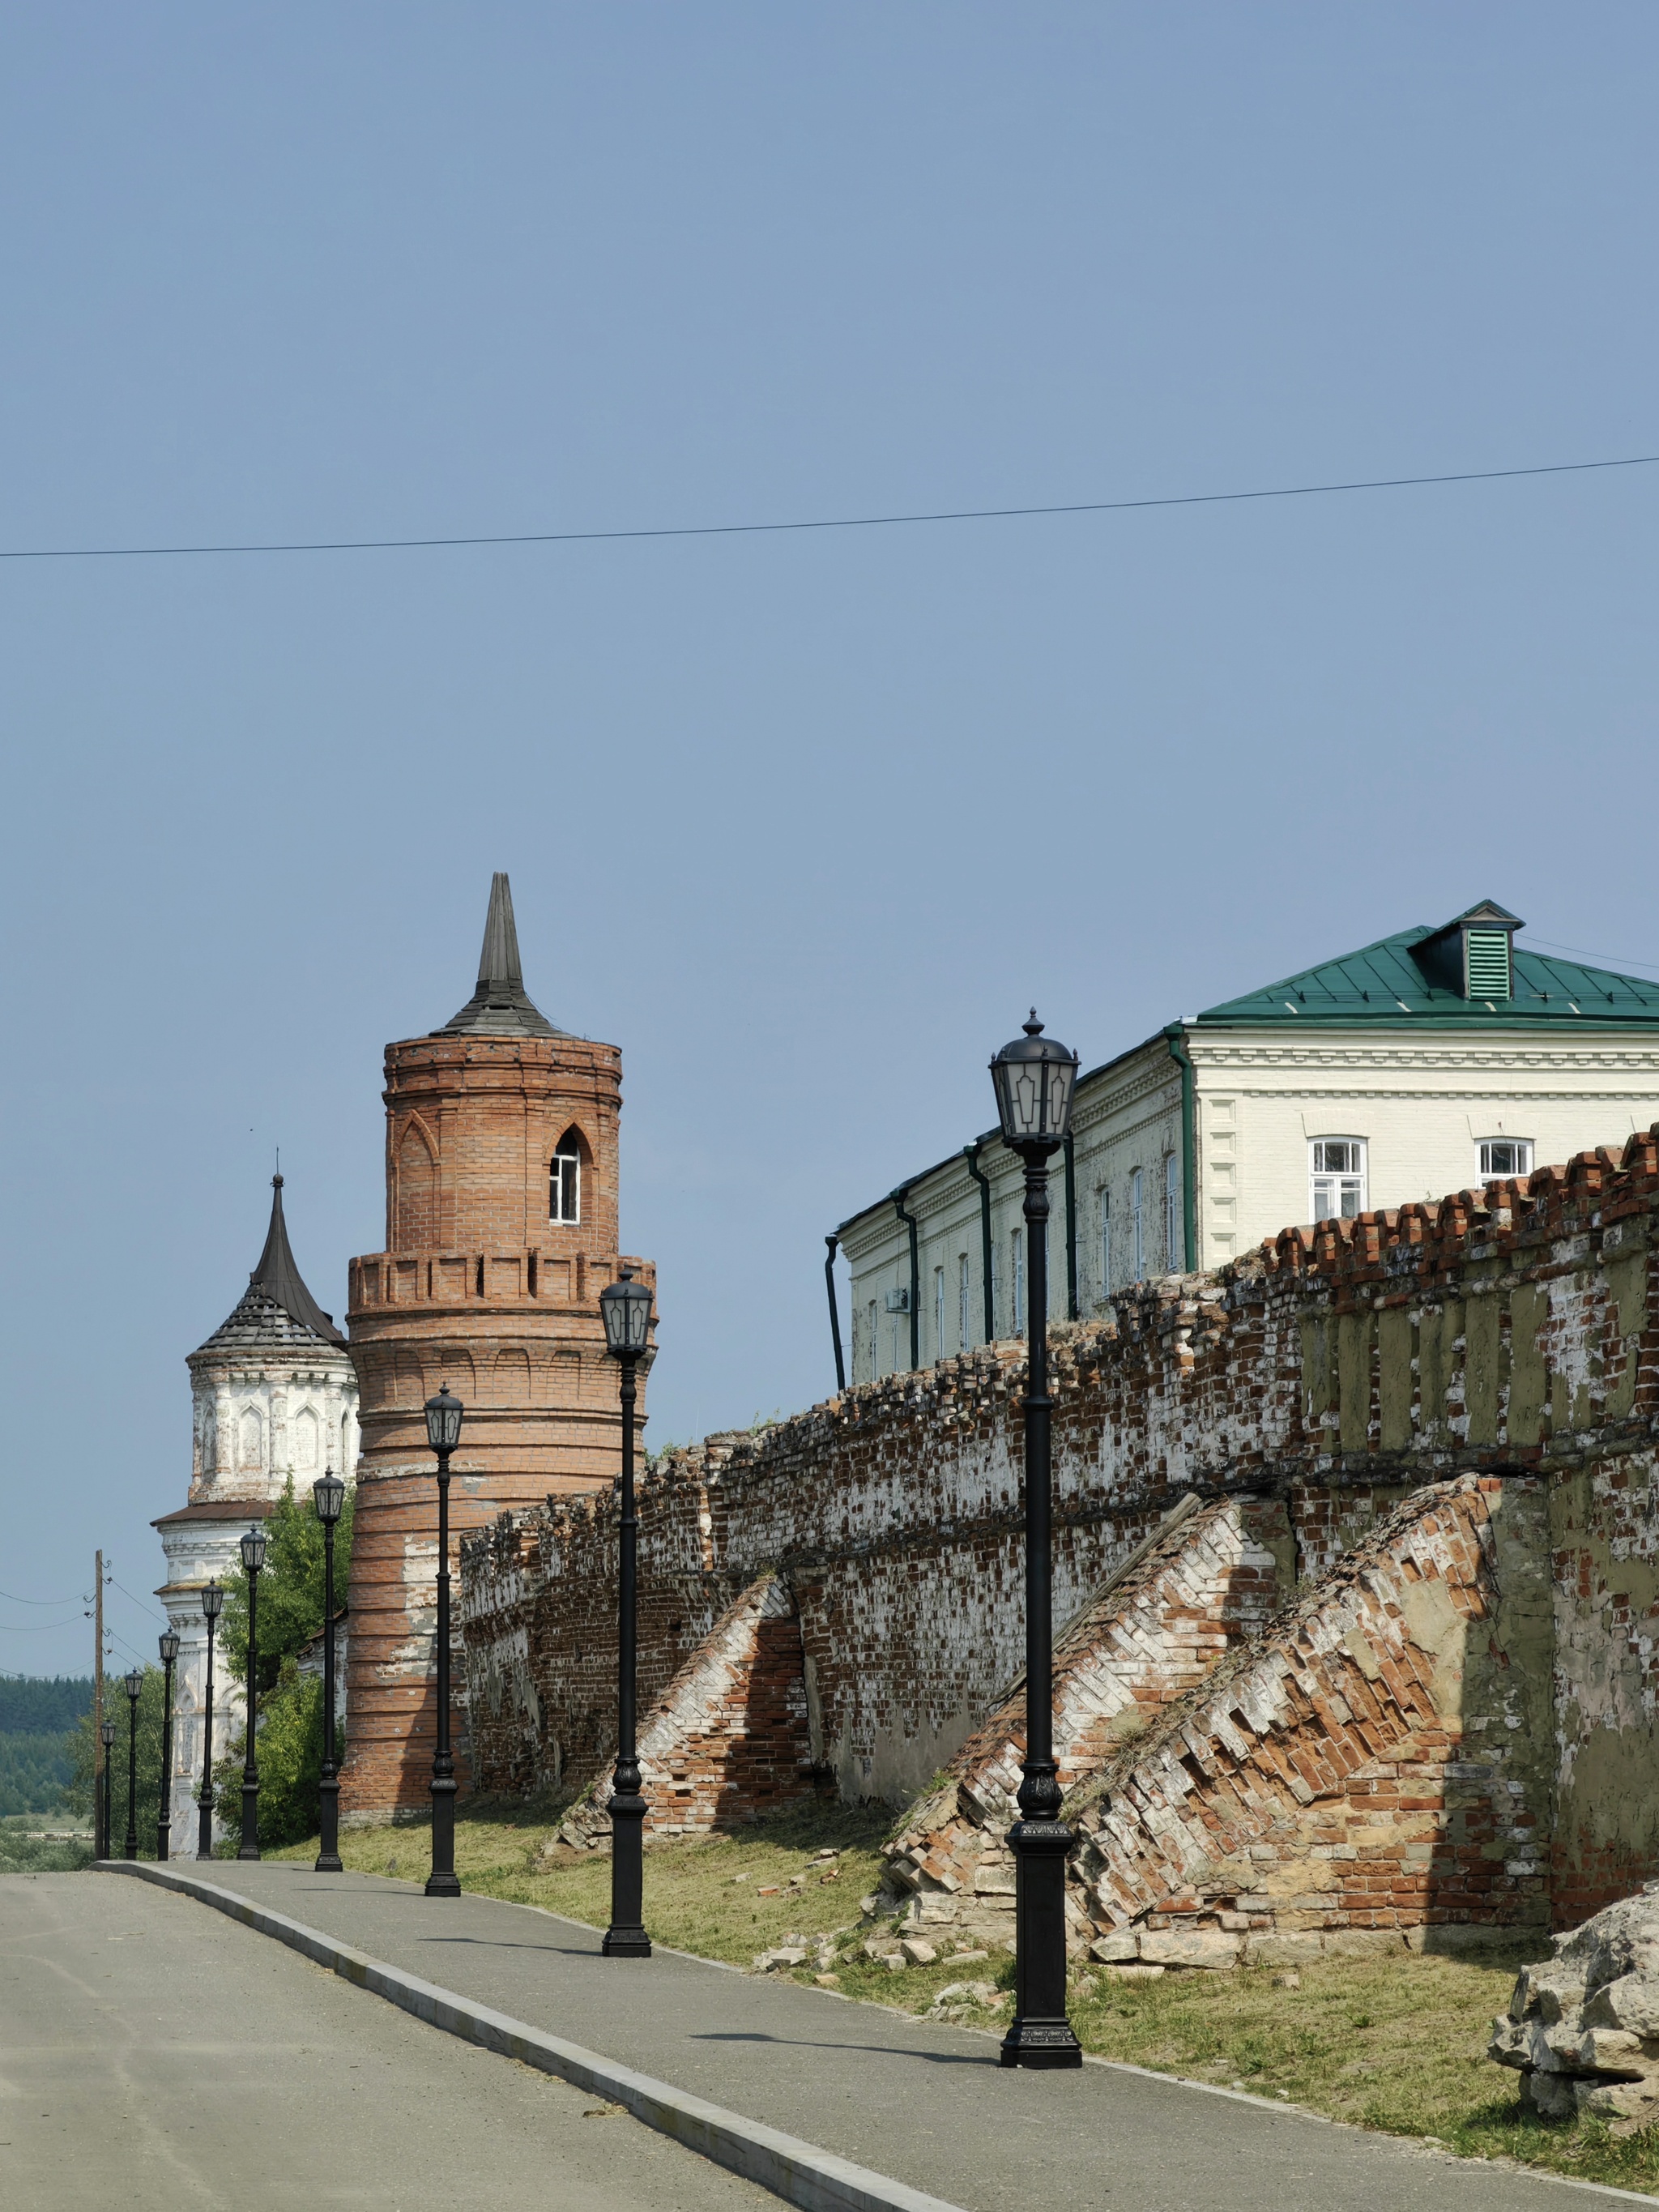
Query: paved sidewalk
[[927, 2106]]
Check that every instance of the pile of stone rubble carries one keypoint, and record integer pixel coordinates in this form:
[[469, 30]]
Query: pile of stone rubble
[[1583, 2026]]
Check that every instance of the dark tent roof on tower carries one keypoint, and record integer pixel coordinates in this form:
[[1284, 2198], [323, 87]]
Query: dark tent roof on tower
[[276, 1309], [500, 1007]]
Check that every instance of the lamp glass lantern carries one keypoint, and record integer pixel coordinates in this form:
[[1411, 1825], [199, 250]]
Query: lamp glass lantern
[[1035, 1078], [626, 1306], [213, 1601], [253, 1550], [328, 1496], [443, 1420], [167, 1642], [133, 1683], [106, 1731]]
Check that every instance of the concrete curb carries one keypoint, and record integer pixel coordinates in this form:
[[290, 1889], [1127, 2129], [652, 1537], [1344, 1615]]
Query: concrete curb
[[816, 2180]]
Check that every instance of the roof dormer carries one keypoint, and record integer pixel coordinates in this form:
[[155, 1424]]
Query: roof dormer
[[1473, 956]]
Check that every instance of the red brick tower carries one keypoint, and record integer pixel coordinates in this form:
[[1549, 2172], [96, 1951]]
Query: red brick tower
[[501, 1185]]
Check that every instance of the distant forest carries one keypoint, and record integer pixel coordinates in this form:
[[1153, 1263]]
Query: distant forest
[[36, 1724], [40, 1704]]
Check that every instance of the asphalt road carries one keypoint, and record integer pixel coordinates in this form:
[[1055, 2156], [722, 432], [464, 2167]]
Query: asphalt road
[[155, 2055]]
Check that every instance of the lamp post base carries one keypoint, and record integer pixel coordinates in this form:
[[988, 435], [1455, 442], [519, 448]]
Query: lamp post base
[[328, 1827], [626, 1943], [442, 1882], [626, 1937], [204, 1828], [250, 1821], [1040, 2035], [162, 1829]]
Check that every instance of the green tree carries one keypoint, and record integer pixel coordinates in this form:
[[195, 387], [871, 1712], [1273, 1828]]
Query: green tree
[[290, 1588], [290, 1704], [77, 1793]]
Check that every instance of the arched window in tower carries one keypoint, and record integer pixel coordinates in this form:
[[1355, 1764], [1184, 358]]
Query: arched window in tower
[[250, 1442], [418, 1191], [564, 1198]]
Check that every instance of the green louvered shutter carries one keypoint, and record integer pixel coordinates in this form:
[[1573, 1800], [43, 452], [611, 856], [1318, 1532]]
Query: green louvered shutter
[[1489, 964]]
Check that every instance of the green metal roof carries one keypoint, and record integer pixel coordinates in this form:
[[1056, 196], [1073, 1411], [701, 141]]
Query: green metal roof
[[1385, 984]]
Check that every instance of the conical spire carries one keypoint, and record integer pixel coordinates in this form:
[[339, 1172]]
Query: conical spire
[[500, 1007], [281, 1279], [276, 1281]]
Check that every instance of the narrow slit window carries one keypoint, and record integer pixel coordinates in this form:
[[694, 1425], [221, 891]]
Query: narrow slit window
[[1138, 1226], [938, 1313], [564, 1200], [1105, 1244], [1018, 1247], [965, 1312]]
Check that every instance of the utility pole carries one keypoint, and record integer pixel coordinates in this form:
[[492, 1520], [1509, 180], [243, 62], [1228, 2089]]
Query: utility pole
[[99, 1764]]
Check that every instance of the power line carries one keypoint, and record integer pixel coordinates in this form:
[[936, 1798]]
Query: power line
[[1584, 953], [35, 1628], [138, 1602], [11, 1600], [821, 522]]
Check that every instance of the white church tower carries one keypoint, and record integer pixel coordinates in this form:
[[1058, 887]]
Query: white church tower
[[276, 1402]]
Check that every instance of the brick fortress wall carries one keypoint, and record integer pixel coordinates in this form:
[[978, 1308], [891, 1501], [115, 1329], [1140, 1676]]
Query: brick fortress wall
[[1499, 1347], [479, 1289]]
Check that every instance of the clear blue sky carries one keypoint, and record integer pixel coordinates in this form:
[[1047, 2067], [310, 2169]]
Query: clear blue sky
[[801, 824]]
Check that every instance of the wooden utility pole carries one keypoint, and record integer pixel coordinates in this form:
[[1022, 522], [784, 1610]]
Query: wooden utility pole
[[100, 1778]]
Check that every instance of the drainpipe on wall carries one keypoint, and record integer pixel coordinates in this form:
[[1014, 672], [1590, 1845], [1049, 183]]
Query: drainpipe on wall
[[1174, 1037], [1071, 1229], [971, 1153], [835, 1317], [909, 1221]]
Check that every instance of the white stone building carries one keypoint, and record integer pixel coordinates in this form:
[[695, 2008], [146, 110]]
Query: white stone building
[[1424, 1064], [275, 1402]]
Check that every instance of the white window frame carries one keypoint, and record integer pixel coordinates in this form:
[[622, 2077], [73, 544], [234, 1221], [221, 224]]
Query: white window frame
[[1174, 1257], [1017, 1246], [1103, 1203], [1338, 1190], [964, 1302], [564, 1188], [1138, 1224], [938, 1313], [1522, 1146], [875, 1345]]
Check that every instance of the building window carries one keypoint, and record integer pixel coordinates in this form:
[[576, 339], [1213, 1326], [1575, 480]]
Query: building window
[[1175, 1257], [964, 1312], [1505, 1156], [875, 1351], [938, 1313], [1337, 1177], [564, 1198], [1137, 1226], [1105, 1198], [1017, 1245]]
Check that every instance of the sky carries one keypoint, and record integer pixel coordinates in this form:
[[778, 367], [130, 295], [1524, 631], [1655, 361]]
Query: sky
[[802, 822]]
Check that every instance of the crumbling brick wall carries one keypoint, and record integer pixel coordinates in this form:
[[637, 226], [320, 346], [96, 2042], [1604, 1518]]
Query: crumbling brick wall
[[728, 1739], [1508, 1332]]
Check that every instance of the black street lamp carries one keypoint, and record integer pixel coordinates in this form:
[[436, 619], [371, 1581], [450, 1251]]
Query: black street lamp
[[443, 1433], [168, 1643], [132, 1683], [253, 1558], [107, 1736], [1035, 1078], [213, 1599], [328, 1497], [626, 1306]]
